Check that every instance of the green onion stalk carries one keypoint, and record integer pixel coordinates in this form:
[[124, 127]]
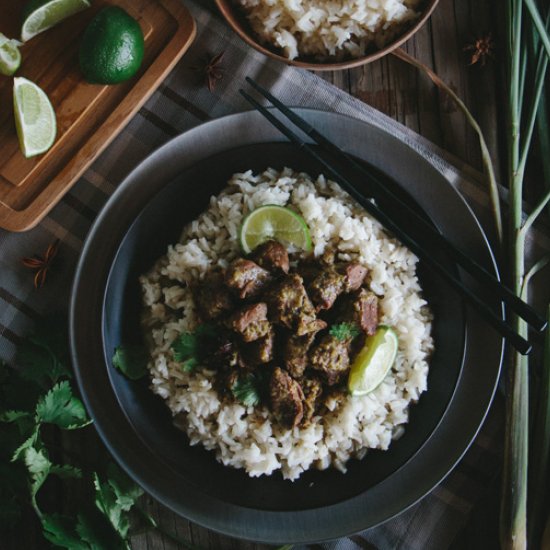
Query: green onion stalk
[[527, 452]]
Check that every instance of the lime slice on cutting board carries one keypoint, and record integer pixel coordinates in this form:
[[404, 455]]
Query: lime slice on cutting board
[[40, 15], [10, 57], [373, 362], [34, 117], [274, 222]]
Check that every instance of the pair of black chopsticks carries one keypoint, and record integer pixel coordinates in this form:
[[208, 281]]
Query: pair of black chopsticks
[[490, 282]]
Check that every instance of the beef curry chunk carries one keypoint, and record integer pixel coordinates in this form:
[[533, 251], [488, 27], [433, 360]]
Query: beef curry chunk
[[250, 322], [294, 353], [261, 350], [246, 278], [290, 306], [354, 276], [330, 358], [325, 287], [312, 388], [212, 298], [361, 308], [286, 398], [272, 256]]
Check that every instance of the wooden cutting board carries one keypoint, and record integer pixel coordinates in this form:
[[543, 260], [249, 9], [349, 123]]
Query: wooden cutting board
[[89, 116]]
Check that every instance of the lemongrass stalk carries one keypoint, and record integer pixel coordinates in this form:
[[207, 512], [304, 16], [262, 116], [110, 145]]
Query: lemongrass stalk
[[485, 154], [540, 77], [541, 449], [539, 24], [513, 517]]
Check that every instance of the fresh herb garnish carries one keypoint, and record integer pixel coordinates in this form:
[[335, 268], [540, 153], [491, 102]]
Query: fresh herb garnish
[[36, 401], [246, 390], [191, 348], [131, 361], [345, 331]]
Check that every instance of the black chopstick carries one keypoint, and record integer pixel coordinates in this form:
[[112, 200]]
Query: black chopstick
[[516, 304], [515, 339]]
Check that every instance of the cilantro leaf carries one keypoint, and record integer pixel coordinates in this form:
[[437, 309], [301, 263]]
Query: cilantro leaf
[[345, 331], [95, 529], [191, 348], [61, 408], [115, 497], [14, 416], [185, 346], [246, 390], [60, 531], [131, 361], [44, 356], [39, 466], [29, 442]]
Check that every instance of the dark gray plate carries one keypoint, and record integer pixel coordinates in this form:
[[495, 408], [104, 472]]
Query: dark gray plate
[[143, 216]]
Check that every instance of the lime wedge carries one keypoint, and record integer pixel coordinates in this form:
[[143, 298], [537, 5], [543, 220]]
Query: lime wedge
[[10, 57], [373, 362], [34, 117], [40, 15], [274, 222]]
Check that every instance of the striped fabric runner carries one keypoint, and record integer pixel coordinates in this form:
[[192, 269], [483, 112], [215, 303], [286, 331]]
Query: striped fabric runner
[[180, 103]]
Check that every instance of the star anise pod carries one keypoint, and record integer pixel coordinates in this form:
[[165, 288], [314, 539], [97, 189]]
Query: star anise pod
[[212, 70], [482, 48], [41, 264]]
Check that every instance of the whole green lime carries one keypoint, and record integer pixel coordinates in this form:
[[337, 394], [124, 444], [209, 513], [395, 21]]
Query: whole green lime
[[111, 50]]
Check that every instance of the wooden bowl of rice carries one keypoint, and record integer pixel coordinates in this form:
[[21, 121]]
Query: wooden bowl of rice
[[379, 40]]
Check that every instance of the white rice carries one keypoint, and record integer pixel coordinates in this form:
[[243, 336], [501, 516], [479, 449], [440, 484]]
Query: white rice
[[335, 28], [247, 437]]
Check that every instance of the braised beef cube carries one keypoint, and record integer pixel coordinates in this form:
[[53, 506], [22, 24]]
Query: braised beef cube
[[251, 322], [361, 308], [354, 276], [272, 256], [290, 306], [294, 353], [312, 389], [260, 351], [330, 358], [246, 278], [212, 298], [286, 398], [325, 287]]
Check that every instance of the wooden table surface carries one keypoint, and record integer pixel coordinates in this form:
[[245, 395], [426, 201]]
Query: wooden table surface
[[408, 96], [404, 94]]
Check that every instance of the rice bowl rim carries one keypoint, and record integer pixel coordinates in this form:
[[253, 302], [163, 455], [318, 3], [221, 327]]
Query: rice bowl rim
[[238, 23], [471, 402]]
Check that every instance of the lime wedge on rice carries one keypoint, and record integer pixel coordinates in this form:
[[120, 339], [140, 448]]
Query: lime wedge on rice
[[10, 57], [34, 117], [373, 362], [274, 222], [40, 15]]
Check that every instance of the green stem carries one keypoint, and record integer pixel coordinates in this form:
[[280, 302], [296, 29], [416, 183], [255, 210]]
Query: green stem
[[540, 77], [539, 24], [535, 214], [513, 517]]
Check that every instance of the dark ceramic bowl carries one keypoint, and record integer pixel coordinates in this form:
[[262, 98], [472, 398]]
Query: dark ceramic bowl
[[238, 22], [134, 229]]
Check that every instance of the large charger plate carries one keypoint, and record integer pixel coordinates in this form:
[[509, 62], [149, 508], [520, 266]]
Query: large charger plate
[[145, 214]]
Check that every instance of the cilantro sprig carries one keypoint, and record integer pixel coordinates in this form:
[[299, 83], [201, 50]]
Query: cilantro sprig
[[246, 390], [191, 348], [37, 401], [345, 331]]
